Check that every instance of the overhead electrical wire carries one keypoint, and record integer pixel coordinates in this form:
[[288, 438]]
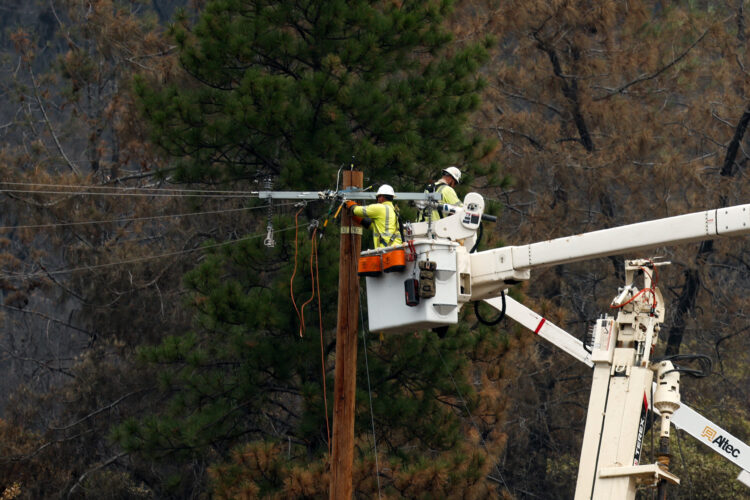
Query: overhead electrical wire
[[369, 391], [126, 219], [160, 192], [124, 188], [133, 219], [115, 193], [132, 261]]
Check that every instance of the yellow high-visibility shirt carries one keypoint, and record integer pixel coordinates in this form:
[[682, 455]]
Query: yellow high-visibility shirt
[[384, 227], [448, 196]]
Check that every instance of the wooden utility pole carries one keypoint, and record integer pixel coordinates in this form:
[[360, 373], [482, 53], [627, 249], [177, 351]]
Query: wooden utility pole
[[342, 456], [345, 379]]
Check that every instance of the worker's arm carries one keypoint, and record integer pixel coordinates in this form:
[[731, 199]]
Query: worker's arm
[[371, 211]]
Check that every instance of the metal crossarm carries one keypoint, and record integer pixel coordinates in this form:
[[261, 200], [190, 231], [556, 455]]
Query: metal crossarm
[[346, 194]]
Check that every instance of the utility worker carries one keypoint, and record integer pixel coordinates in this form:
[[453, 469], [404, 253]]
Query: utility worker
[[451, 177], [385, 227]]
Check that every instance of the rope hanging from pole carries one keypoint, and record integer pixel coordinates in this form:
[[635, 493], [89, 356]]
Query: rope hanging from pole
[[294, 271]]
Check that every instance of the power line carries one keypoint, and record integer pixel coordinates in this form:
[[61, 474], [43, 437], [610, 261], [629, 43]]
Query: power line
[[369, 391], [129, 219], [115, 193], [122, 188], [132, 219], [132, 261]]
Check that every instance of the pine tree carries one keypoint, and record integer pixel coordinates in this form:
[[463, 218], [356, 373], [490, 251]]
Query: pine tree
[[293, 90]]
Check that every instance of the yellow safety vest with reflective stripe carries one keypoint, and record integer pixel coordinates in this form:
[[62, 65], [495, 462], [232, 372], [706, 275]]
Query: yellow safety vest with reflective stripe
[[384, 227], [448, 196]]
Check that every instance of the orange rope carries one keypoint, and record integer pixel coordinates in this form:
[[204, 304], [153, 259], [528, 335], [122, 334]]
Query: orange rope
[[315, 275], [645, 271], [294, 272], [616, 306], [312, 277], [654, 280]]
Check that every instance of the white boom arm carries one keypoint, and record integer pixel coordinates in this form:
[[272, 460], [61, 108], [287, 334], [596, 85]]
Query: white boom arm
[[685, 418], [491, 270], [545, 329], [462, 277], [713, 436]]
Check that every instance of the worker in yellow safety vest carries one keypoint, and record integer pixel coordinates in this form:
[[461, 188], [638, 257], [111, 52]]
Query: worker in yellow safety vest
[[385, 226], [451, 177]]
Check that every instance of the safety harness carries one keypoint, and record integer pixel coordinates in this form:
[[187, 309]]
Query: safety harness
[[432, 188], [393, 236]]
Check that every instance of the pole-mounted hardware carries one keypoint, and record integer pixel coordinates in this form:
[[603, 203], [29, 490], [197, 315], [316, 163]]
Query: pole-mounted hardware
[[269, 241], [346, 194]]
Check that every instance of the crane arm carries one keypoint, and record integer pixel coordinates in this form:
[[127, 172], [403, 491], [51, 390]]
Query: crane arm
[[512, 264], [545, 329], [715, 437]]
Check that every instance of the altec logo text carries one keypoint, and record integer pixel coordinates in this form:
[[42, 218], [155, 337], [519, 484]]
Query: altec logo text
[[720, 441]]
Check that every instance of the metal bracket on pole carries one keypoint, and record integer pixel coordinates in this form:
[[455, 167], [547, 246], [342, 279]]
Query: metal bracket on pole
[[351, 230]]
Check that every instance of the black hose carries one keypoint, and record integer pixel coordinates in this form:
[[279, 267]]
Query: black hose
[[494, 321], [703, 360], [479, 238]]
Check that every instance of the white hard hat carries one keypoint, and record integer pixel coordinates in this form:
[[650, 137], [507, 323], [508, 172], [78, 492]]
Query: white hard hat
[[386, 190], [453, 172]]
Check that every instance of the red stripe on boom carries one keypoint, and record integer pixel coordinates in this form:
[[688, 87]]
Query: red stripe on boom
[[539, 326]]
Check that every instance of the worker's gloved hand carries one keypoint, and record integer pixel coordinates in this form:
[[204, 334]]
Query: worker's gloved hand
[[350, 206]]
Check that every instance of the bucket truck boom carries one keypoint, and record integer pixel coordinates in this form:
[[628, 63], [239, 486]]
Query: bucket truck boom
[[461, 276], [446, 275]]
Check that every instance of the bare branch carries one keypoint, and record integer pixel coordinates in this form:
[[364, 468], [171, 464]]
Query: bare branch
[[21, 458], [60, 149], [43, 364], [100, 466], [49, 318], [653, 75], [98, 411]]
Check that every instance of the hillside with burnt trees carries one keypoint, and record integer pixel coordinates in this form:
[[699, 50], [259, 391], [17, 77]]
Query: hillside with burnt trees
[[153, 346]]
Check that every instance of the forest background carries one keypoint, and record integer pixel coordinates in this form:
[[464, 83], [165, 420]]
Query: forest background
[[152, 346]]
